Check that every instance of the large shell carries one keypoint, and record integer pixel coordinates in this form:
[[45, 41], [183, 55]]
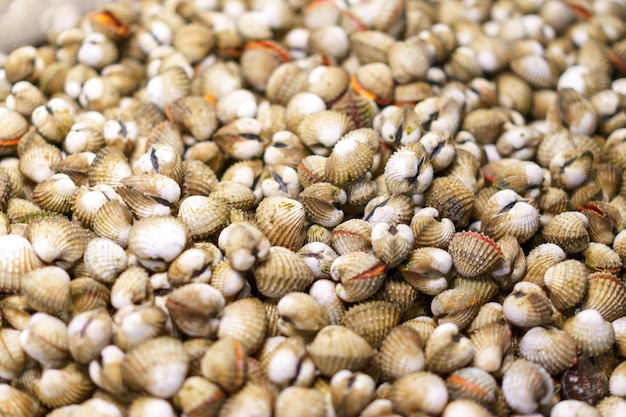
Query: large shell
[[491, 343], [18, 403], [59, 387], [455, 306], [474, 254], [157, 366], [428, 231], [567, 282], [409, 170], [322, 130], [337, 347], [283, 272], [320, 200]]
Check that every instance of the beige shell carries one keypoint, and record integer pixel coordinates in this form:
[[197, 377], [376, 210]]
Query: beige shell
[[17, 257], [527, 306], [299, 401], [104, 260], [42, 332], [549, 347], [568, 230], [372, 320], [320, 200], [473, 384], [447, 350], [38, 160], [283, 272], [88, 333], [540, 259], [202, 215], [156, 255], [451, 198], [507, 213], [148, 322], [312, 169], [47, 290], [408, 170], [323, 290], [392, 243], [606, 294], [193, 308], [427, 269], [491, 343], [109, 167], [428, 231], [322, 130], [88, 294], [63, 249], [474, 253], [157, 366], [336, 347], [282, 220], [246, 321], [197, 396], [590, 332], [16, 402], [12, 131], [192, 265], [252, 398], [526, 386], [351, 235], [351, 392], [12, 356], [419, 392], [401, 353], [391, 209], [302, 315], [455, 306], [59, 387], [348, 161], [113, 221], [225, 364], [567, 283], [360, 275]]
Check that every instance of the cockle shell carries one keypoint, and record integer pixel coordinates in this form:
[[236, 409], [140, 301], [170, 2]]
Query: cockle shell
[[567, 282], [351, 392], [474, 253], [447, 350], [419, 392], [47, 290], [104, 260], [526, 386], [584, 382], [320, 200], [568, 230], [282, 272], [472, 384], [193, 308], [17, 258], [337, 347], [12, 356], [606, 294], [63, 251], [408, 170], [153, 254], [507, 213], [491, 343], [246, 321], [43, 332], [16, 402], [527, 306], [590, 332], [427, 269], [282, 220], [88, 333], [145, 366], [322, 130], [428, 231], [455, 306], [372, 320], [401, 353], [360, 275], [225, 364], [197, 396], [59, 387], [451, 198], [549, 347]]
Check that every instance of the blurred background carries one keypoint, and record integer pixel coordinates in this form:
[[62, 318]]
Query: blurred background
[[25, 22]]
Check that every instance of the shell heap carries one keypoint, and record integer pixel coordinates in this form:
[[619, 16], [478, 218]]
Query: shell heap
[[316, 208]]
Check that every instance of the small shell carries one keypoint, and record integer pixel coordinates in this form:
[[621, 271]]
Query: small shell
[[351, 392], [567, 282], [348, 161], [202, 215], [105, 260], [156, 255], [606, 294], [590, 332], [474, 254], [157, 366], [401, 353], [527, 306], [616, 382], [253, 398], [244, 245], [42, 332], [197, 397], [225, 364], [392, 243], [133, 325], [167, 87], [320, 200], [113, 221], [47, 290], [372, 320], [549, 347], [584, 382], [17, 257], [360, 274], [64, 250], [491, 343], [194, 307], [601, 258], [109, 167], [428, 231], [59, 387], [18, 403], [540, 259], [88, 294], [283, 272], [336, 347], [282, 220], [351, 235], [88, 333], [447, 350], [526, 386], [299, 401], [472, 384], [395, 209], [12, 356], [507, 213], [409, 171], [322, 130], [568, 230], [451, 198], [455, 306], [301, 314], [323, 291], [246, 321], [419, 392], [427, 269]]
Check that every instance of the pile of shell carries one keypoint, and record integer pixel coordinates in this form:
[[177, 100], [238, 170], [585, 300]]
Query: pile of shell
[[316, 208]]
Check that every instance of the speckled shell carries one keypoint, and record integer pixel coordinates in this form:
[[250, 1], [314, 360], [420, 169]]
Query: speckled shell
[[336, 347], [283, 272], [246, 321], [584, 382], [401, 353], [474, 254], [451, 198], [282, 220], [549, 347], [590, 332]]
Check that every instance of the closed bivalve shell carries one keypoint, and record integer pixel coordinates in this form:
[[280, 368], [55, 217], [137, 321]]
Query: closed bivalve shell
[[372, 320], [401, 353], [590, 332], [337, 347], [360, 274], [526, 386], [606, 294], [419, 392], [474, 253], [549, 347], [282, 272], [567, 282]]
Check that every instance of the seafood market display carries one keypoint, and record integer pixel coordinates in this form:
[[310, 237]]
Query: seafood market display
[[316, 208]]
